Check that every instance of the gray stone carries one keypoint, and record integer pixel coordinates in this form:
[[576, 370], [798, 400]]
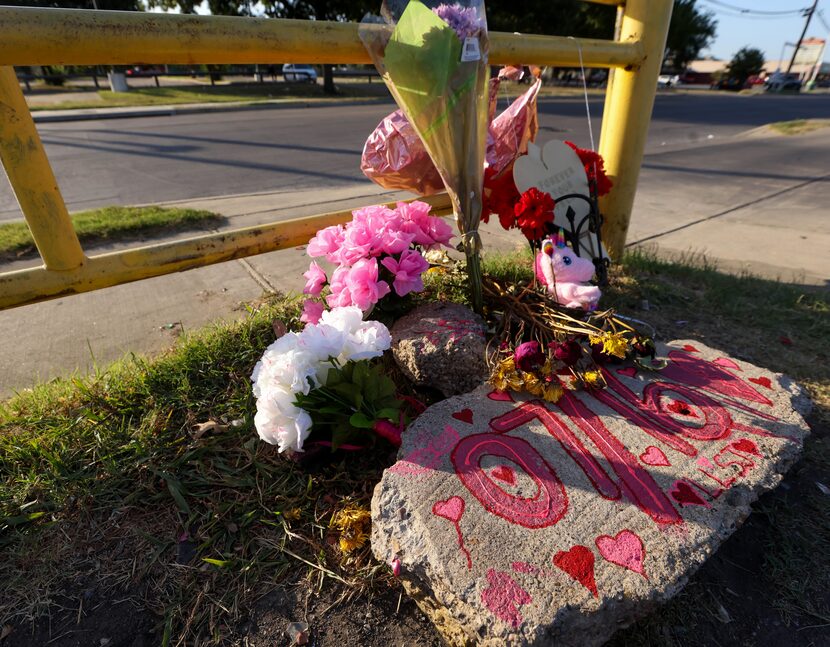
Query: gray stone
[[519, 522], [441, 345]]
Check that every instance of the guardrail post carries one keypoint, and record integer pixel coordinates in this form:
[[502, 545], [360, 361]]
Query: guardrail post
[[628, 114], [33, 181]]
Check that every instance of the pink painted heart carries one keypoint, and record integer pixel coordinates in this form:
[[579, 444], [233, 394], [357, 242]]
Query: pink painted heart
[[626, 550], [746, 446], [452, 509], [500, 396], [690, 349], [505, 474], [465, 415], [762, 381], [726, 363], [578, 562], [654, 456], [629, 371], [683, 493]]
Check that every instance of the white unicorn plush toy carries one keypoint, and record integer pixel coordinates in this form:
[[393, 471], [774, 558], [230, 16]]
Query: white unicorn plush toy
[[566, 275]]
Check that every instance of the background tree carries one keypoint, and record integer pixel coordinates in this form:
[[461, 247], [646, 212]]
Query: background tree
[[747, 62], [690, 31]]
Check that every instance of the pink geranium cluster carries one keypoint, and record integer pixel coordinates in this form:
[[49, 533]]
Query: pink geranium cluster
[[378, 247]]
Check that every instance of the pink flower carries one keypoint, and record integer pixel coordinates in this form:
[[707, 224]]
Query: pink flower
[[312, 311], [440, 231], [529, 356], [326, 243], [394, 241], [407, 271], [340, 295], [316, 278], [415, 216], [364, 288], [359, 242]]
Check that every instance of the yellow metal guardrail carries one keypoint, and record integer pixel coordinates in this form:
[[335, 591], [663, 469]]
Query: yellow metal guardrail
[[76, 37]]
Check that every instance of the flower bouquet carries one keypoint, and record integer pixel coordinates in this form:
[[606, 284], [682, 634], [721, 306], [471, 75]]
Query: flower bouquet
[[379, 252], [434, 62], [320, 381]]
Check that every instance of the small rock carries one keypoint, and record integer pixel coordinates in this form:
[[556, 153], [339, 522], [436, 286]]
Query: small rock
[[297, 633], [441, 345]]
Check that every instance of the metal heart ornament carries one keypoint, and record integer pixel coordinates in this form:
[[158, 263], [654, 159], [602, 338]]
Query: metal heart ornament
[[556, 169]]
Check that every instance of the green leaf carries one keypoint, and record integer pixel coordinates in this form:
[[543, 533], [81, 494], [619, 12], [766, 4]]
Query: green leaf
[[361, 421], [223, 563], [175, 489], [389, 413], [351, 392]]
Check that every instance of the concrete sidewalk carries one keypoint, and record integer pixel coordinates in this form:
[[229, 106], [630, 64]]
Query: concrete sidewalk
[[689, 201]]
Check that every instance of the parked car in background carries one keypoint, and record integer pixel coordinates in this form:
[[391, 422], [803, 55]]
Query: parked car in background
[[728, 83], [754, 80], [667, 80], [299, 72], [783, 82]]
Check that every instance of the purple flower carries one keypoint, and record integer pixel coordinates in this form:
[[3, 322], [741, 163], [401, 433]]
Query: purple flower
[[529, 356], [464, 20], [568, 352]]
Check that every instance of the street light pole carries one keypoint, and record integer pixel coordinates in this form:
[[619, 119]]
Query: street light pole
[[810, 13]]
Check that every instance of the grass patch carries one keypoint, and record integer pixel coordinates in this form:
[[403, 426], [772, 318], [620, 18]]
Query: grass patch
[[176, 95], [799, 126], [104, 480], [109, 223]]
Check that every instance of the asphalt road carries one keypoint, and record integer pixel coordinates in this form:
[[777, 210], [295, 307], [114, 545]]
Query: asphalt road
[[140, 160]]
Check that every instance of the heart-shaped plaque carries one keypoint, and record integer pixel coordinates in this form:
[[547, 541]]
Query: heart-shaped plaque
[[557, 170]]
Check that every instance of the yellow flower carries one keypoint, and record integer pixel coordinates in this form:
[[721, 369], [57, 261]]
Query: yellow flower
[[593, 379], [353, 523], [533, 384], [553, 392], [615, 344], [292, 515]]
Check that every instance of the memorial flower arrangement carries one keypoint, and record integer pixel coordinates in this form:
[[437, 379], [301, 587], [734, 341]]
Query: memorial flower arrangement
[[378, 253], [321, 380]]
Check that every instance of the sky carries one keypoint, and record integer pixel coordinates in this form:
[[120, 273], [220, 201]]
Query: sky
[[769, 32]]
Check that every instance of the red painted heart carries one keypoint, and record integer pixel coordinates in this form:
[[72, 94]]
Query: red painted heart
[[747, 446], [465, 415], [578, 562], [630, 371], [655, 456], [725, 362], [505, 474], [452, 509], [690, 349], [626, 550], [500, 396], [762, 381], [683, 493]]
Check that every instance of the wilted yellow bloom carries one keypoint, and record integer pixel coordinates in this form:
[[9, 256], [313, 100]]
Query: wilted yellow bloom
[[292, 515], [593, 379], [613, 343], [553, 391], [533, 384], [353, 522]]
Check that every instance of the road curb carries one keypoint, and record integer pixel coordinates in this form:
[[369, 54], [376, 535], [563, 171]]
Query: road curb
[[188, 109]]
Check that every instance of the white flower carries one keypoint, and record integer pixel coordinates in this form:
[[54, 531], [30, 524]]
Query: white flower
[[369, 340], [346, 319], [322, 341], [279, 422]]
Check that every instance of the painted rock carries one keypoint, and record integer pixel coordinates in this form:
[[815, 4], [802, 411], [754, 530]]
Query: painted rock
[[520, 522], [441, 345]]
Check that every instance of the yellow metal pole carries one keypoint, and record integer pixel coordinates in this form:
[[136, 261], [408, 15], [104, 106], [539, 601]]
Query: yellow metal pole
[[625, 126], [32, 179], [34, 36], [607, 108], [38, 284]]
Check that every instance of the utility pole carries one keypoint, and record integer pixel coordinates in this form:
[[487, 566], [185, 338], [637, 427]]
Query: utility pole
[[810, 13]]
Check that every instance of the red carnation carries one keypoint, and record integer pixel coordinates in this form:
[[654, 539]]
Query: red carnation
[[594, 168], [529, 356], [500, 195], [533, 211]]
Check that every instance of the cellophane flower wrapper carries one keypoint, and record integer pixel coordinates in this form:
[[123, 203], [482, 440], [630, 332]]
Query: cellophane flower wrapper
[[395, 158], [444, 96]]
